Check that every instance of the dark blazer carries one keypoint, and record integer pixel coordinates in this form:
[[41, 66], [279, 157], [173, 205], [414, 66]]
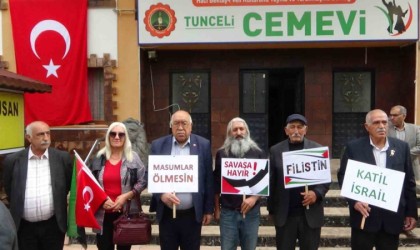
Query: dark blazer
[[8, 235], [203, 200], [278, 202], [14, 175], [361, 150]]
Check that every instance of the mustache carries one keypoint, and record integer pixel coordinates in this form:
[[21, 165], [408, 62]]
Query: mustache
[[45, 143], [380, 130]]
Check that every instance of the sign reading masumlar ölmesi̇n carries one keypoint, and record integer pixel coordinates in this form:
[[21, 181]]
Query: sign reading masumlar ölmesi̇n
[[173, 173], [374, 185], [306, 167], [245, 176], [257, 21]]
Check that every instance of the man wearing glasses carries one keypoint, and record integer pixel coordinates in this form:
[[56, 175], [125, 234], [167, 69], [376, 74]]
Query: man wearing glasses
[[192, 209], [409, 133]]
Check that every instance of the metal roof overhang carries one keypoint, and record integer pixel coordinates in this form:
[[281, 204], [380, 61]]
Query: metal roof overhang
[[16, 82]]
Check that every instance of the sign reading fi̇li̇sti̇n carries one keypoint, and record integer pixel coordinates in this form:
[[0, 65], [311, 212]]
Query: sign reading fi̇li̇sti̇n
[[306, 167]]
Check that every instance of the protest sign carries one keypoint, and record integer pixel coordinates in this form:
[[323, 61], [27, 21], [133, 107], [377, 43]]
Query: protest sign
[[173, 173], [245, 176], [306, 167], [374, 185]]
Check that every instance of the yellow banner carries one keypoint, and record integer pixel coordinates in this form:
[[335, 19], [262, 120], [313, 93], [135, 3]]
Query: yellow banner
[[11, 121]]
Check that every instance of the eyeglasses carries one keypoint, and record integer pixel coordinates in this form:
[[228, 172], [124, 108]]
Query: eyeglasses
[[180, 123], [394, 115], [115, 134]]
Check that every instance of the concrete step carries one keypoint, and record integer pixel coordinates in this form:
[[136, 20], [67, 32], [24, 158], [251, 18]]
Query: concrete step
[[330, 237], [156, 247], [334, 216], [332, 199]]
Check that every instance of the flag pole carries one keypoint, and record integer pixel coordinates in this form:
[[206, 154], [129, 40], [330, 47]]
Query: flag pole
[[173, 208], [243, 199], [91, 149]]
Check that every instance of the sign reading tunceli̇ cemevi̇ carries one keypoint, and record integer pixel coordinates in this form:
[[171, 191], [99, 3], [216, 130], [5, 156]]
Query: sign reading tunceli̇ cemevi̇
[[257, 21]]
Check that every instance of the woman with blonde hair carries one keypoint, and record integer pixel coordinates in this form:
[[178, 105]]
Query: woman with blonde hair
[[121, 173]]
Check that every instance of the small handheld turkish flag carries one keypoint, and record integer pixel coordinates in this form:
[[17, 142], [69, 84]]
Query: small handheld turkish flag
[[90, 196]]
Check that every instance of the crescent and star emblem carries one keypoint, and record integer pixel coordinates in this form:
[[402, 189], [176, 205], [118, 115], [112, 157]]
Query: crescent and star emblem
[[88, 190], [50, 25]]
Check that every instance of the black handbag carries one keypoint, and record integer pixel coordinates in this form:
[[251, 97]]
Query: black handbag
[[132, 229]]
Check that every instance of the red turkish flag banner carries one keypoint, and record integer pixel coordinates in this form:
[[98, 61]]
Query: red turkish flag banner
[[89, 196], [50, 39]]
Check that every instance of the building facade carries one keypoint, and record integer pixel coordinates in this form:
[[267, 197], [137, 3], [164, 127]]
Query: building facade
[[216, 77]]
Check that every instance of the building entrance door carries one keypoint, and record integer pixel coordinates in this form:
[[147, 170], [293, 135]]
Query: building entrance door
[[268, 96]]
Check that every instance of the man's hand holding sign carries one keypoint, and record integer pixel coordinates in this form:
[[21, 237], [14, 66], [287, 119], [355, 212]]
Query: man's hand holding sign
[[171, 174], [245, 177], [368, 184], [306, 167], [376, 175]]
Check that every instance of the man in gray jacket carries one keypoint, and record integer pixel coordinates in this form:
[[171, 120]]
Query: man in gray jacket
[[288, 206], [407, 132]]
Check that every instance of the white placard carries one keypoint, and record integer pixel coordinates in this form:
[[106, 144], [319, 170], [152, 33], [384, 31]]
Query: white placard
[[374, 185], [173, 173], [245, 176], [306, 167]]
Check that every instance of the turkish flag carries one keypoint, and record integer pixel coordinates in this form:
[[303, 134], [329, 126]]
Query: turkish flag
[[50, 39], [89, 196]]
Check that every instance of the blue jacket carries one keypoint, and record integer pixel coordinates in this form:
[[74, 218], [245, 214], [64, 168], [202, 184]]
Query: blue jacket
[[203, 200]]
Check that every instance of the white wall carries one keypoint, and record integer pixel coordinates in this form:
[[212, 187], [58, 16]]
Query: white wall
[[102, 32]]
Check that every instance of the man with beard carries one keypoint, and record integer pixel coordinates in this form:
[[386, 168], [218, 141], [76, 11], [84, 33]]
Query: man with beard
[[382, 227], [297, 214], [239, 218]]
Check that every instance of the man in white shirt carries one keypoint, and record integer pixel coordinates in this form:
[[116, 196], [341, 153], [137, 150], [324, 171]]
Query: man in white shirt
[[37, 181]]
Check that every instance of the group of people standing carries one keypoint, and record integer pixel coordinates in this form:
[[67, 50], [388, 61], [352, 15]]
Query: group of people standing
[[38, 178]]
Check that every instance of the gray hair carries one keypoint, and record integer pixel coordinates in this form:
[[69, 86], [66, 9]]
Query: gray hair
[[402, 109], [172, 117], [128, 153], [368, 119], [29, 128], [228, 141], [230, 124]]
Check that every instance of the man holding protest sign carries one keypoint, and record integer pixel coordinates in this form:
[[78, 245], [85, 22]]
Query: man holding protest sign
[[239, 215], [297, 214], [381, 227], [192, 209]]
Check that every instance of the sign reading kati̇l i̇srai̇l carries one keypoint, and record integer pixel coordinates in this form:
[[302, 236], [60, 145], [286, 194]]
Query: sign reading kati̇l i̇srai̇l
[[374, 185], [245, 176], [306, 167], [173, 173]]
